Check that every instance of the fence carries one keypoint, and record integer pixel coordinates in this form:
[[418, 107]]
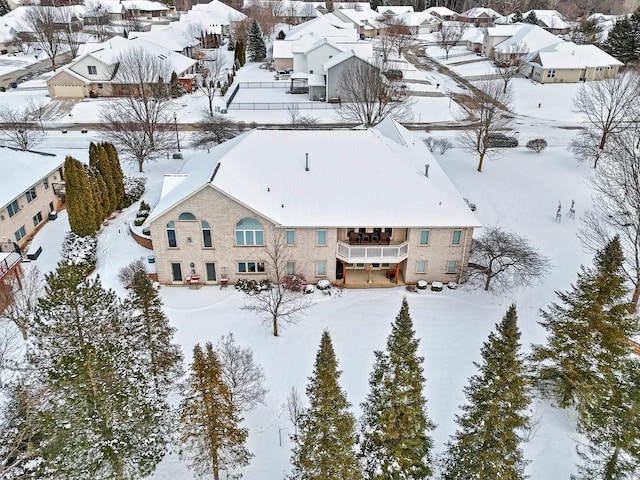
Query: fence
[[233, 94], [281, 105], [284, 85]]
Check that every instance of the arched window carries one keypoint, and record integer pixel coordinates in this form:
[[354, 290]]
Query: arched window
[[171, 234], [206, 234], [249, 232], [186, 216]]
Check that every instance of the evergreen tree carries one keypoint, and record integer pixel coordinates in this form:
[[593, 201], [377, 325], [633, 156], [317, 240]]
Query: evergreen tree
[[395, 443], [588, 331], [150, 325], [209, 421], [517, 17], [99, 420], [100, 196], [325, 444], [239, 56], [116, 174], [611, 424], [175, 89], [487, 444], [623, 41], [79, 198], [99, 161], [4, 7], [532, 18], [257, 49]]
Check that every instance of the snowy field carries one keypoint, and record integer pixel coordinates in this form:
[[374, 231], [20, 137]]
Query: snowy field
[[519, 191]]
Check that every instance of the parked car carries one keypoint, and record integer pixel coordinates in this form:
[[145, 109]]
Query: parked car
[[496, 140], [394, 74]]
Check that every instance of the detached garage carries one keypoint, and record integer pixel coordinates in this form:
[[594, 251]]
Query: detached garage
[[66, 85]]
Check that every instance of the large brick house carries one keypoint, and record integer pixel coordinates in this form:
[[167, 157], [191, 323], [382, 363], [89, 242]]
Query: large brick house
[[343, 200]]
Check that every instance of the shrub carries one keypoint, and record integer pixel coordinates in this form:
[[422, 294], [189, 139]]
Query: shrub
[[127, 272], [133, 189], [443, 144], [430, 142], [250, 286], [139, 221], [537, 144], [294, 283], [78, 250]]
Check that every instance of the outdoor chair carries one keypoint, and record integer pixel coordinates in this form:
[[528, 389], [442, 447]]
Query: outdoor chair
[[385, 239], [354, 238]]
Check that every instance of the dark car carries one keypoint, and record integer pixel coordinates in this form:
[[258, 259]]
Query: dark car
[[495, 140], [394, 74]]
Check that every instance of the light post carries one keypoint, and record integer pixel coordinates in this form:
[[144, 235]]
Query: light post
[[175, 122]]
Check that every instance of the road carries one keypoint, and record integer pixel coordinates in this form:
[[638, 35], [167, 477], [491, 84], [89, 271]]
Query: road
[[33, 70]]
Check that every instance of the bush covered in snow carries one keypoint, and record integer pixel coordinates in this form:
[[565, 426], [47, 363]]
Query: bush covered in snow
[[133, 189], [78, 250], [294, 283], [537, 144], [323, 284], [143, 213], [250, 286]]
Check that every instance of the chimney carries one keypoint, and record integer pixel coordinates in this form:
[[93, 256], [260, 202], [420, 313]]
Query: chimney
[[306, 162], [426, 170]]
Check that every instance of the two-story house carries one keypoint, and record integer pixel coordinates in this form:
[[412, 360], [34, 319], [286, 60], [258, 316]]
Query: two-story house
[[32, 188], [342, 202]]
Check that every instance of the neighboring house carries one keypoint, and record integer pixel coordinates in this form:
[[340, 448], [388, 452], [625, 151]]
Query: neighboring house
[[144, 9], [479, 16], [368, 22], [217, 218], [567, 62], [100, 10], [419, 23], [17, 19], [32, 187], [392, 11], [473, 38], [95, 71], [443, 13], [215, 13], [9, 41], [551, 20], [515, 40]]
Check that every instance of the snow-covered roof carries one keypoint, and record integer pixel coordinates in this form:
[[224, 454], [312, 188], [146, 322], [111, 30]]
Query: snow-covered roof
[[338, 59], [359, 17], [316, 80], [220, 10], [110, 51], [17, 18], [355, 5], [328, 26], [415, 19], [441, 11], [167, 36], [22, 170], [527, 38], [7, 33], [568, 55], [473, 35], [106, 6], [276, 186], [143, 5], [479, 12], [394, 9]]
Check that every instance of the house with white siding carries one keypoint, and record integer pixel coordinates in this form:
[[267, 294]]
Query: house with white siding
[[398, 217]]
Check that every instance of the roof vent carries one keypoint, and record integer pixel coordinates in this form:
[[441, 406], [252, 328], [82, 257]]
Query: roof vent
[[306, 162], [426, 170]]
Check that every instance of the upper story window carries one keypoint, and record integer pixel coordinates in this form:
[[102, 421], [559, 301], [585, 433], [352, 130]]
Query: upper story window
[[206, 234], [45, 182], [13, 208], [186, 216], [291, 237], [322, 236], [171, 234], [424, 237], [92, 69], [249, 232], [31, 194], [455, 237], [551, 73]]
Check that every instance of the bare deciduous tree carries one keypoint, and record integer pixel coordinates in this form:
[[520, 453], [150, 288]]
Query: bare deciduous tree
[[616, 206], [501, 260], [491, 113], [449, 35], [18, 127], [98, 16], [608, 105], [241, 374], [70, 30], [128, 272], [277, 305], [212, 75], [509, 64], [398, 33], [295, 408], [41, 23], [368, 97], [214, 130], [139, 122], [22, 298]]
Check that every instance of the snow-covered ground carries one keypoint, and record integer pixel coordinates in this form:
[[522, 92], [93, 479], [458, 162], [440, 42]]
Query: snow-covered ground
[[518, 190]]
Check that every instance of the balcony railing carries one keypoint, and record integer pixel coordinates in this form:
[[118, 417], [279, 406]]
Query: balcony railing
[[372, 253], [8, 262]]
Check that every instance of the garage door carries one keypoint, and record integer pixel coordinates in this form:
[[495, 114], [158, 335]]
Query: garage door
[[68, 91]]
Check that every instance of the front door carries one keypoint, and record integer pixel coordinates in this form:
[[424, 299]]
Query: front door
[[211, 272]]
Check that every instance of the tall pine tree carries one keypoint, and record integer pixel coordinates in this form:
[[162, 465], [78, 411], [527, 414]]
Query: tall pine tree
[[532, 18], [395, 442], [100, 163], [588, 331], [116, 174], [256, 47], [325, 444], [100, 419], [151, 326], [487, 444], [623, 41], [209, 421], [79, 198]]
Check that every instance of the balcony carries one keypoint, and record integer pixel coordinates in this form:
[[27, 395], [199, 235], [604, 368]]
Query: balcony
[[372, 253], [8, 261]]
